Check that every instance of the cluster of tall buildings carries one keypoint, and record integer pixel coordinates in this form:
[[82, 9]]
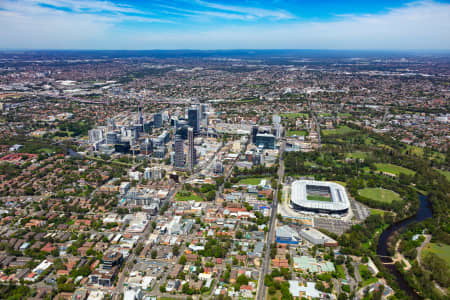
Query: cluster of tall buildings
[[133, 136], [187, 130]]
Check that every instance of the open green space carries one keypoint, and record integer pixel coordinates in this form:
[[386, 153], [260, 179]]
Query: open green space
[[318, 198], [340, 271], [441, 250], [339, 130], [379, 194], [187, 196], [419, 151], [445, 173], [366, 275], [374, 211], [369, 281], [294, 115], [325, 114], [46, 150], [297, 132], [252, 180], [393, 169], [357, 154]]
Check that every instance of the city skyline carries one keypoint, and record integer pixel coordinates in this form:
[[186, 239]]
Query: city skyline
[[207, 25]]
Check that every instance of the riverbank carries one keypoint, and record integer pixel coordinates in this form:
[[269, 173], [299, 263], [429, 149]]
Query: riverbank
[[423, 213]]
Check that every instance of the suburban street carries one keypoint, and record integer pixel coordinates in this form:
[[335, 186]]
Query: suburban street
[[270, 236]]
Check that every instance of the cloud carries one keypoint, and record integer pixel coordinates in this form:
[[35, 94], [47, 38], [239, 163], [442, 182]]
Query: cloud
[[227, 12], [90, 6], [25, 24], [253, 12]]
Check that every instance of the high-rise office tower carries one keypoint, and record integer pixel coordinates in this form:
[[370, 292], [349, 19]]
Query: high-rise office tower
[[111, 124], [203, 111], [194, 118], [191, 149], [157, 120], [276, 119], [179, 152], [254, 133], [140, 116]]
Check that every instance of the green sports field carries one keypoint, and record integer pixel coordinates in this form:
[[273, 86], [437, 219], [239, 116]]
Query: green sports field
[[445, 173], [339, 130], [187, 196], [357, 154], [297, 132], [294, 115], [252, 180], [318, 198], [441, 250], [393, 169], [379, 194]]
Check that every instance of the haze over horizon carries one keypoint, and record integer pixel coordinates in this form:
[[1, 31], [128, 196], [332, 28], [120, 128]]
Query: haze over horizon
[[211, 25]]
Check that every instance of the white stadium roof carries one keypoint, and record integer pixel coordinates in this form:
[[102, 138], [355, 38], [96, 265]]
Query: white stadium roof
[[338, 196]]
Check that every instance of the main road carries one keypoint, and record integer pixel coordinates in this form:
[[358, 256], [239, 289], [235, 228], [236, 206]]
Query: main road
[[270, 236]]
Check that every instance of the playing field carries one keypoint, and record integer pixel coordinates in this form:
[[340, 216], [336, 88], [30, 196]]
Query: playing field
[[445, 173], [441, 250], [379, 194], [393, 169], [355, 155], [297, 132], [252, 180], [294, 115], [339, 130], [374, 211], [187, 196], [318, 198]]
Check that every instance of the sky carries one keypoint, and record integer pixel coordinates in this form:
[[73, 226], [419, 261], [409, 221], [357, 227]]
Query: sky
[[221, 24]]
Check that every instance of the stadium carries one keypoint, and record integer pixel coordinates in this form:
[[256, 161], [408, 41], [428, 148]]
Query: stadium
[[319, 197]]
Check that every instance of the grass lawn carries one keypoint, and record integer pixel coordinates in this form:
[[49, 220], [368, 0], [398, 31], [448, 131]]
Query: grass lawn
[[294, 115], [252, 180], [357, 154], [339, 130], [46, 150], [340, 271], [318, 198], [419, 151], [344, 114], [379, 194], [374, 211], [369, 281], [393, 169], [365, 273], [441, 250], [445, 173], [297, 132], [187, 196]]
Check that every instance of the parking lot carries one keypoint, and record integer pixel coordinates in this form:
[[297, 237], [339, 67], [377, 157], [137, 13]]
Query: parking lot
[[332, 225], [360, 211]]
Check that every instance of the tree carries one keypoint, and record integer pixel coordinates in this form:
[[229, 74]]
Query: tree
[[211, 195], [176, 250], [154, 254], [182, 260], [185, 288], [242, 280]]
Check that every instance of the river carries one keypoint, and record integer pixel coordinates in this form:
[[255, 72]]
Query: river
[[423, 213]]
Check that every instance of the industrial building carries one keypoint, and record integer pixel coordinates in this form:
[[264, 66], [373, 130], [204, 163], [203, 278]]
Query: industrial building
[[287, 235], [316, 237]]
